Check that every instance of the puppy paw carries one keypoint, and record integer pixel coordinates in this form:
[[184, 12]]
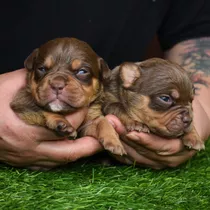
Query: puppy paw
[[193, 141], [59, 125], [106, 135], [65, 129], [137, 126], [114, 148], [195, 145]]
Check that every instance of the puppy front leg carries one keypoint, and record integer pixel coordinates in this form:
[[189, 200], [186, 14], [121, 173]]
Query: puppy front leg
[[60, 125], [193, 140], [102, 130], [109, 138], [119, 111], [50, 120]]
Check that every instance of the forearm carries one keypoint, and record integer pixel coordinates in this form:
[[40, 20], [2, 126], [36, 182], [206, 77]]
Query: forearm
[[194, 56]]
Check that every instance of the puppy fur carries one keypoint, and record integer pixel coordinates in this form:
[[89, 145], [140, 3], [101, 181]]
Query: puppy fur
[[153, 96], [65, 75]]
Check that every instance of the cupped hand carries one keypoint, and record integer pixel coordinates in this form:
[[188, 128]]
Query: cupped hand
[[152, 151], [24, 145]]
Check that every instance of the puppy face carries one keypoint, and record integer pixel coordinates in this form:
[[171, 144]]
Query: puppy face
[[160, 95], [64, 74]]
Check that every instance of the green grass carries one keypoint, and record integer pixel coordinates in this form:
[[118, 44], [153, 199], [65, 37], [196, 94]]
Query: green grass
[[88, 185]]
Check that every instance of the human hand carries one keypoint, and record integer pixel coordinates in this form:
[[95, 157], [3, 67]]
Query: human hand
[[35, 147], [149, 150]]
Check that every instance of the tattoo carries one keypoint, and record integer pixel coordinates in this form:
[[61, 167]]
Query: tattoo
[[196, 59]]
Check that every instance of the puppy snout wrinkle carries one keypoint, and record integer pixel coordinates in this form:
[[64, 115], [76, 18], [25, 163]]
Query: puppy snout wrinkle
[[187, 120]]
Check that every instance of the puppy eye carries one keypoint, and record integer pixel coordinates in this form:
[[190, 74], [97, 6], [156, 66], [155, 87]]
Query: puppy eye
[[40, 72], [42, 69], [166, 99], [82, 71], [83, 74]]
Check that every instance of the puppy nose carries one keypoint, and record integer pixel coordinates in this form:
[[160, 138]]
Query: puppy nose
[[57, 84], [186, 118]]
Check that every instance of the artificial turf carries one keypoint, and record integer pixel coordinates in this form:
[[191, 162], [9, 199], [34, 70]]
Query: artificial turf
[[89, 185]]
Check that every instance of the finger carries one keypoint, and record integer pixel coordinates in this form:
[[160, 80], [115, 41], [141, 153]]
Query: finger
[[38, 133], [77, 117], [136, 158], [38, 168], [119, 127], [35, 133], [36, 163], [144, 157], [157, 144], [44, 166], [159, 161], [68, 150], [176, 160], [147, 156]]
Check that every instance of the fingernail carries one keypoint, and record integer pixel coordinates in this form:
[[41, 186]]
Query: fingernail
[[164, 150], [163, 153], [132, 136]]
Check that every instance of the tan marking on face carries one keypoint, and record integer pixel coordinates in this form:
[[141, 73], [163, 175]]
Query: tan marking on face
[[33, 86], [49, 62], [139, 105], [76, 64], [175, 94], [92, 90], [39, 89], [153, 119]]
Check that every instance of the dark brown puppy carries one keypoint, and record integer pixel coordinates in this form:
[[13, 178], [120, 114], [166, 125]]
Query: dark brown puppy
[[65, 75], [154, 95]]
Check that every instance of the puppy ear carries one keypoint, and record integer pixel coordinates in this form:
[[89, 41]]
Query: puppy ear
[[28, 63], [129, 73], [105, 72]]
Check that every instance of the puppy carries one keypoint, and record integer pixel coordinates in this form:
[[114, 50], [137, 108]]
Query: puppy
[[64, 75], [153, 96]]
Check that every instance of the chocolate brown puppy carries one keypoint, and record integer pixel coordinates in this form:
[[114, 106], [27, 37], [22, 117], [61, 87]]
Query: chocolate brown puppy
[[64, 75], [153, 96]]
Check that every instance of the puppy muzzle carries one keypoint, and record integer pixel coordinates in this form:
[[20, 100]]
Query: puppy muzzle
[[57, 84], [181, 123]]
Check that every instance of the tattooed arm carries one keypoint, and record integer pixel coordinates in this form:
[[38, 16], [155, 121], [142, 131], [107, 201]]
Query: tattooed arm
[[194, 56]]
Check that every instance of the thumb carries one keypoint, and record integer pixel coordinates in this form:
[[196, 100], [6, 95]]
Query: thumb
[[65, 151], [116, 123]]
